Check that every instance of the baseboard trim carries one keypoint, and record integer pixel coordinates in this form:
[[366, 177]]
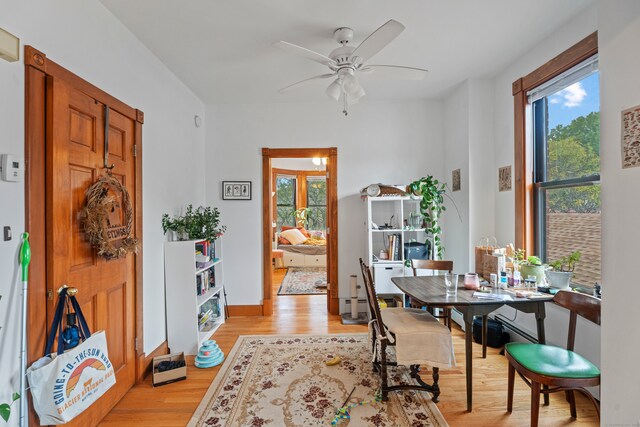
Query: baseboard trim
[[144, 361], [245, 310]]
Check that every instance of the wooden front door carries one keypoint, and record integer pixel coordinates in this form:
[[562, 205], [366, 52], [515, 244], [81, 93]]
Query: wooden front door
[[75, 144]]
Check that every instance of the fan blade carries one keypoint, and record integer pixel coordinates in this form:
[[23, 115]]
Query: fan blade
[[394, 72], [305, 53], [378, 40], [305, 81]]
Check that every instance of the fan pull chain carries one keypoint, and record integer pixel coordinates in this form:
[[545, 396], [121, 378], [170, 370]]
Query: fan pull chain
[[344, 99]]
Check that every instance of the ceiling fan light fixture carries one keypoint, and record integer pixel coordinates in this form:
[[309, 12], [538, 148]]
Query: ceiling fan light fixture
[[350, 83], [334, 90], [359, 93]]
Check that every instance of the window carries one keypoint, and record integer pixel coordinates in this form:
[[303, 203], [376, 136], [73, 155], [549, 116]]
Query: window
[[285, 200], [566, 157], [557, 160], [317, 202]]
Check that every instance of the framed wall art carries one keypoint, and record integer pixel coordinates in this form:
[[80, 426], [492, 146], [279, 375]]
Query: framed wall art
[[631, 137], [504, 178], [455, 180], [236, 190]]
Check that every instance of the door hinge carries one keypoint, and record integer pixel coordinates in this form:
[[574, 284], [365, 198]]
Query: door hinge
[[137, 344], [135, 150], [50, 294], [328, 230], [327, 175]]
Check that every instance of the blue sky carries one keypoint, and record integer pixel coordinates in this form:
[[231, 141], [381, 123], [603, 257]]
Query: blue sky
[[577, 100]]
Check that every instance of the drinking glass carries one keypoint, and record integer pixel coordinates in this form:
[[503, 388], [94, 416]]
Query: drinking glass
[[451, 284]]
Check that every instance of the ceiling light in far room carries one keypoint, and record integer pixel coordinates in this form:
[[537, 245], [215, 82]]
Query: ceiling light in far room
[[317, 161]]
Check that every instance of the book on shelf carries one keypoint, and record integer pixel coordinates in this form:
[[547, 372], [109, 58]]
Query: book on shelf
[[394, 247], [204, 316]]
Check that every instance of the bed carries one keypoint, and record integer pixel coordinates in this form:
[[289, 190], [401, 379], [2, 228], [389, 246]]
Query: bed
[[312, 253]]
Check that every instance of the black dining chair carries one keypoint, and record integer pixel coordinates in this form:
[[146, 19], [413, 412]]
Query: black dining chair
[[384, 336]]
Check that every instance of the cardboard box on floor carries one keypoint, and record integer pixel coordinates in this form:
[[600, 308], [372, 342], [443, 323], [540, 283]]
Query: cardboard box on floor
[[167, 377]]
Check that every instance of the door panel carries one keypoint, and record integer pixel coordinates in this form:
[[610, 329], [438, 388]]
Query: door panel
[[106, 289]]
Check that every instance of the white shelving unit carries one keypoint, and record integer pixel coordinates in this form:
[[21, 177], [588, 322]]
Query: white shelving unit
[[184, 305], [388, 216]]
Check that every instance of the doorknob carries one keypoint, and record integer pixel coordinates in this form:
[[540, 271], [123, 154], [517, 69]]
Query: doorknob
[[71, 291]]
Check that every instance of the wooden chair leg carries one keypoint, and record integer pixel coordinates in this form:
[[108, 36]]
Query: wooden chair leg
[[383, 370], [571, 398], [512, 375], [535, 403], [436, 387], [448, 310]]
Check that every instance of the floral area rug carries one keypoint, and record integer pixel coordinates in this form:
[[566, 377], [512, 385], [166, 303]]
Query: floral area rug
[[283, 381], [304, 281]]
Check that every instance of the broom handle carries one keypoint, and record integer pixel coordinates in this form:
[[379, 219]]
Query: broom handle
[[25, 259]]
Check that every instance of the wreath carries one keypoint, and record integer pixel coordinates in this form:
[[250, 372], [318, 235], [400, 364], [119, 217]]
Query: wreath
[[111, 241]]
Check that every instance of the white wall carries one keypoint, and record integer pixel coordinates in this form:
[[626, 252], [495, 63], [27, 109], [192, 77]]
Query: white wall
[[483, 175], [618, 36], [296, 164], [390, 142], [86, 39], [469, 147], [455, 235]]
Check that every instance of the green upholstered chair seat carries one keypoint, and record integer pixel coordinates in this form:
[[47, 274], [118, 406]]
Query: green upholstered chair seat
[[552, 361]]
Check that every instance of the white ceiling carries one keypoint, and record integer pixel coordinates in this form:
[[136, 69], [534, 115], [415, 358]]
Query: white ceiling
[[222, 49]]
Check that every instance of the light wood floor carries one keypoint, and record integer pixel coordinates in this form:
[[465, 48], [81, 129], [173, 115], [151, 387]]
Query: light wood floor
[[173, 404]]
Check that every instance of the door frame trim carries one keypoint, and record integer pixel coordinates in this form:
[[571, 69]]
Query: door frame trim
[[333, 303], [37, 68]]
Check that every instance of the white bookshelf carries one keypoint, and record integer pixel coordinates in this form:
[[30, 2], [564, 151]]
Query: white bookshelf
[[183, 304], [394, 211]]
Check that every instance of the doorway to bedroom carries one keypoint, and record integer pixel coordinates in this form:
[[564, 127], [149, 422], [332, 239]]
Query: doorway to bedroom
[[300, 227]]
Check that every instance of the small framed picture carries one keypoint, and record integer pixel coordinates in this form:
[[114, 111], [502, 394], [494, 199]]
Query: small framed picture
[[455, 180], [504, 178], [236, 190]]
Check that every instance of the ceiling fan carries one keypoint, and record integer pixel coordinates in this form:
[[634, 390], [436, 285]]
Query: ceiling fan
[[346, 62]]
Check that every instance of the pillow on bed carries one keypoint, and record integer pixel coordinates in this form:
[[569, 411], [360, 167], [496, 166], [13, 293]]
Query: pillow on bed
[[302, 230], [294, 236], [283, 241]]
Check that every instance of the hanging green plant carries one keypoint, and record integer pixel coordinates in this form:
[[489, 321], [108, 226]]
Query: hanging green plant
[[432, 194], [5, 408]]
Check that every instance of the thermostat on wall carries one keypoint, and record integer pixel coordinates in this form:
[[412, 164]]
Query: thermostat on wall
[[12, 168]]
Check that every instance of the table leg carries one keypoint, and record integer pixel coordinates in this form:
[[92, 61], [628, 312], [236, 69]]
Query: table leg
[[468, 350]]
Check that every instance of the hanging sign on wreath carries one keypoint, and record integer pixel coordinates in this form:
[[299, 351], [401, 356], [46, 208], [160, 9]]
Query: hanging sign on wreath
[[108, 218]]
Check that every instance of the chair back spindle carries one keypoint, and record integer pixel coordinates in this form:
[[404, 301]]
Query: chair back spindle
[[578, 304]]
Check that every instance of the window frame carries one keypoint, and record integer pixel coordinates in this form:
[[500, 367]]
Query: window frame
[[301, 186], [524, 188], [308, 204], [295, 194]]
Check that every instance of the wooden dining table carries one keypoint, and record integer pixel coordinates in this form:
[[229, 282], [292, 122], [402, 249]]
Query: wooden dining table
[[430, 291]]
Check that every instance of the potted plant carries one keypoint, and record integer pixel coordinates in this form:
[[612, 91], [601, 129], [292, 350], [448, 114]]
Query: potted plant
[[302, 216], [176, 226], [529, 266], [432, 194], [200, 223], [561, 271]]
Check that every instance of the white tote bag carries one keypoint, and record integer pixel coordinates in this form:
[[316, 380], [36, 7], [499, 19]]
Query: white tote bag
[[63, 385]]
